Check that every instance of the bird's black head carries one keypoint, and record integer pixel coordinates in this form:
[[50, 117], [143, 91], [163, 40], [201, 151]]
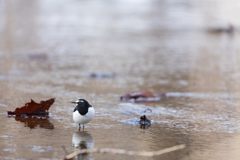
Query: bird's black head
[[82, 106]]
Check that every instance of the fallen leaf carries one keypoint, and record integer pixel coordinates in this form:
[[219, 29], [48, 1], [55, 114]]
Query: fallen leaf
[[33, 108], [142, 96]]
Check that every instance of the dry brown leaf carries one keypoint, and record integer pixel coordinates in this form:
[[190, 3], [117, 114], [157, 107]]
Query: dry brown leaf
[[33, 108]]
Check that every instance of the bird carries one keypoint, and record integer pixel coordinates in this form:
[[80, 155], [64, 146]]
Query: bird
[[83, 112]]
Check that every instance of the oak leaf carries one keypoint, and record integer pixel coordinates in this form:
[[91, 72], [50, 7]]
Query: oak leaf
[[33, 108]]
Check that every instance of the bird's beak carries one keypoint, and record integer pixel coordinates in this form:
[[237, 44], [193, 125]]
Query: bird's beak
[[74, 102]]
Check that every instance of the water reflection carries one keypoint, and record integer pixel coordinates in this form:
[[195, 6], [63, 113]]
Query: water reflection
[[82, 140], [34, 121], [143, 126]]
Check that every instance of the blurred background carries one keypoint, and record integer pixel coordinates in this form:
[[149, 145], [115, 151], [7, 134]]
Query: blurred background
[[188, 49]]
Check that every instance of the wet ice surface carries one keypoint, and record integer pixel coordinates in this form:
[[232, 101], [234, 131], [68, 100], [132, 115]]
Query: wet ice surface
[[148, 45], [188, 119]]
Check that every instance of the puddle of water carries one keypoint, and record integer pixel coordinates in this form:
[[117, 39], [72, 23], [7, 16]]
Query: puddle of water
[[131, 46]]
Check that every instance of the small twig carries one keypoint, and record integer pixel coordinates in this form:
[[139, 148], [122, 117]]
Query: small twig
[[122, 151], [147, 110]]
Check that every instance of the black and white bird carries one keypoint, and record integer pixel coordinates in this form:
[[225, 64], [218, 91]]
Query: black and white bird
[[83, 112]]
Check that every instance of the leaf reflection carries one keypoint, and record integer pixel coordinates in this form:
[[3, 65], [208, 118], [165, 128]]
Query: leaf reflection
[[34, 121]]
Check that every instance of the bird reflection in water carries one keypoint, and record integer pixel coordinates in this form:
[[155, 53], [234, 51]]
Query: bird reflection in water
[[82, 140], [34, 121]]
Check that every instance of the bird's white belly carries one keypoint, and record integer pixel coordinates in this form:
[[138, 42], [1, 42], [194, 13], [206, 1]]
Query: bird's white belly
[[83, 119]]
